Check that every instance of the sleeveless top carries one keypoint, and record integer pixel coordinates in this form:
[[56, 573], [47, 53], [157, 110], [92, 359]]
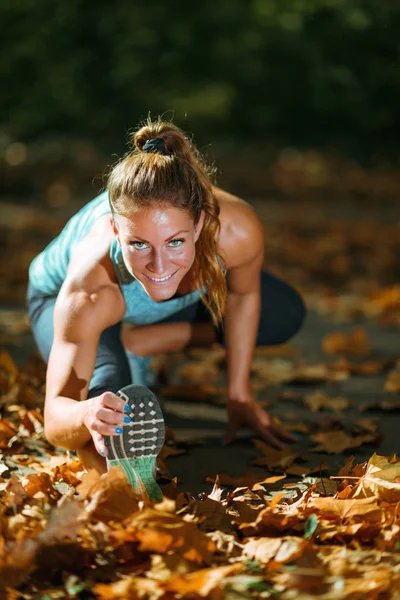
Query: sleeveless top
[[48, 270]]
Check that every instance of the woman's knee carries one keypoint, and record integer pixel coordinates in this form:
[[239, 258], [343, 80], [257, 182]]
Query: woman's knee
[[282, 314], [109, 377], [295, 312]]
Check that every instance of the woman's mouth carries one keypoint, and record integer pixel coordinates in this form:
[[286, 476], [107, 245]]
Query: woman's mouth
[[160, 280]]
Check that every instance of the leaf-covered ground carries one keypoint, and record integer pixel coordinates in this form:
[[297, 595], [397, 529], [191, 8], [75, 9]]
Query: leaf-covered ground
[[321, 518]]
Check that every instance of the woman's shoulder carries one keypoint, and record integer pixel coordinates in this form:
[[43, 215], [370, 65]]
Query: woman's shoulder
[[242, 232], [90, 288], [90, 264]]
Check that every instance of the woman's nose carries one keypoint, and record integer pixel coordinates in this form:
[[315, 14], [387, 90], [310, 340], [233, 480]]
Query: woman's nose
[[158, 262]]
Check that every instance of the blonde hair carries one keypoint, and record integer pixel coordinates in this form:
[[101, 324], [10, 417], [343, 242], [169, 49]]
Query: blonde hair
[[179, 178]]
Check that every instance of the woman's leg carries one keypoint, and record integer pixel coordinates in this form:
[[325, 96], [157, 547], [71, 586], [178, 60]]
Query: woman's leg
[[111, 370], [282, 314], [190, 327]]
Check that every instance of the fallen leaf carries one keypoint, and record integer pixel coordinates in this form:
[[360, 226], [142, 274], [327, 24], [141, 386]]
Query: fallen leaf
[[202, 582], [354, 344], [335, 442], [319, 400]]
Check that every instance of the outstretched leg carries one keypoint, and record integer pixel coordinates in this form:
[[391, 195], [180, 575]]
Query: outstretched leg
[[282, 315]]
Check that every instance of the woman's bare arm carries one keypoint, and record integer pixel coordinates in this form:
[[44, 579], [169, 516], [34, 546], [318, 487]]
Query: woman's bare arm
[[79, 318], [242, 244]]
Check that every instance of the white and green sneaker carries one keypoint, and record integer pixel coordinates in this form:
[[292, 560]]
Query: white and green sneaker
[[135, 450]]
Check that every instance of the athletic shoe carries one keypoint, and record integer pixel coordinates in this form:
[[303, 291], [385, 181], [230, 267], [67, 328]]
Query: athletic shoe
[[135, 450]]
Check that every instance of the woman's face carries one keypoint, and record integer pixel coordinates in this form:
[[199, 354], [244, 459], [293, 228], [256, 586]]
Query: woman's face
[[158, 246]]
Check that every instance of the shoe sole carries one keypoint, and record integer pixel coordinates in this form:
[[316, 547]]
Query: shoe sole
[[135, 450]]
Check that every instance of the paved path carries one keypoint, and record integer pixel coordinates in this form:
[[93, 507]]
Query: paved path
[[192, 421], [200, 420]]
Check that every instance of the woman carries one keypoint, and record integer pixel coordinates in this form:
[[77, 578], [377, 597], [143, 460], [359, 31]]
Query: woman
[[164, 250]]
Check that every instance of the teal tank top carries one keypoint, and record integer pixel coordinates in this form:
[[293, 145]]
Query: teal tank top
[[48, 270]]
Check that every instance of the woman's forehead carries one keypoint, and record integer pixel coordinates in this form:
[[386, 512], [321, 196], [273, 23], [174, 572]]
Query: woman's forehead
[[153, 219]]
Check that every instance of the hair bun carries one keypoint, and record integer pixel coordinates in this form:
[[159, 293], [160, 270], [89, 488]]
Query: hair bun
[[167, 137], [155, 145]]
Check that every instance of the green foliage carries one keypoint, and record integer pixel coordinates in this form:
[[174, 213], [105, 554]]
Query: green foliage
[[310, 526], [253, 566], [296, 70]]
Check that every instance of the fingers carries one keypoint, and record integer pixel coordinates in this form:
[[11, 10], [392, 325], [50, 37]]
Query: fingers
[[269, 437], [111, 417], [107, 428], [107, 417], [230, 432], [286, 435], [110, 400], [98, 441], [109, 414]]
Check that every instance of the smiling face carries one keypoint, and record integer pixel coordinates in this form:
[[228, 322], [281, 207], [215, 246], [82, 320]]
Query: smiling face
[[158, 246]]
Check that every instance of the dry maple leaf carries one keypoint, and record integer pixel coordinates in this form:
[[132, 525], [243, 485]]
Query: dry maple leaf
[[315, 374], [272, 371], [367, 368], [347, 509], [381, 478], [244, 512], [109, 496], [270, 522], [39, 482], [335, 442], [16, 493], [319, 400], [297, 470], [278, 371], [354, 344], [246, 480], [274, 459], [210, 515], [202, 582], [282, 550], [365, 425], [158, 531]]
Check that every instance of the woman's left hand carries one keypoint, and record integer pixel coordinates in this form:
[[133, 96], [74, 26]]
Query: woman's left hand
[[245, 411]]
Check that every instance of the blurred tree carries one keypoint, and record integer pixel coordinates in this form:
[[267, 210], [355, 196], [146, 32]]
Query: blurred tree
[[294, 71]]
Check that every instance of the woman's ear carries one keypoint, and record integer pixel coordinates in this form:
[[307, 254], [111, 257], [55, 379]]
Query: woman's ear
[[115, 228], [199, 226]]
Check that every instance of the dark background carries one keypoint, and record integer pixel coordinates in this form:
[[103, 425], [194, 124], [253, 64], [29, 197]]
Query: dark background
[[246, 78]]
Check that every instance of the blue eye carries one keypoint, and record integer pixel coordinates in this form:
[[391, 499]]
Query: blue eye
[[139, 245], [176, 243]]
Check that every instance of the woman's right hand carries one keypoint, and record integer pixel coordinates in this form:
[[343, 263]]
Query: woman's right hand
[[106, 415]]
